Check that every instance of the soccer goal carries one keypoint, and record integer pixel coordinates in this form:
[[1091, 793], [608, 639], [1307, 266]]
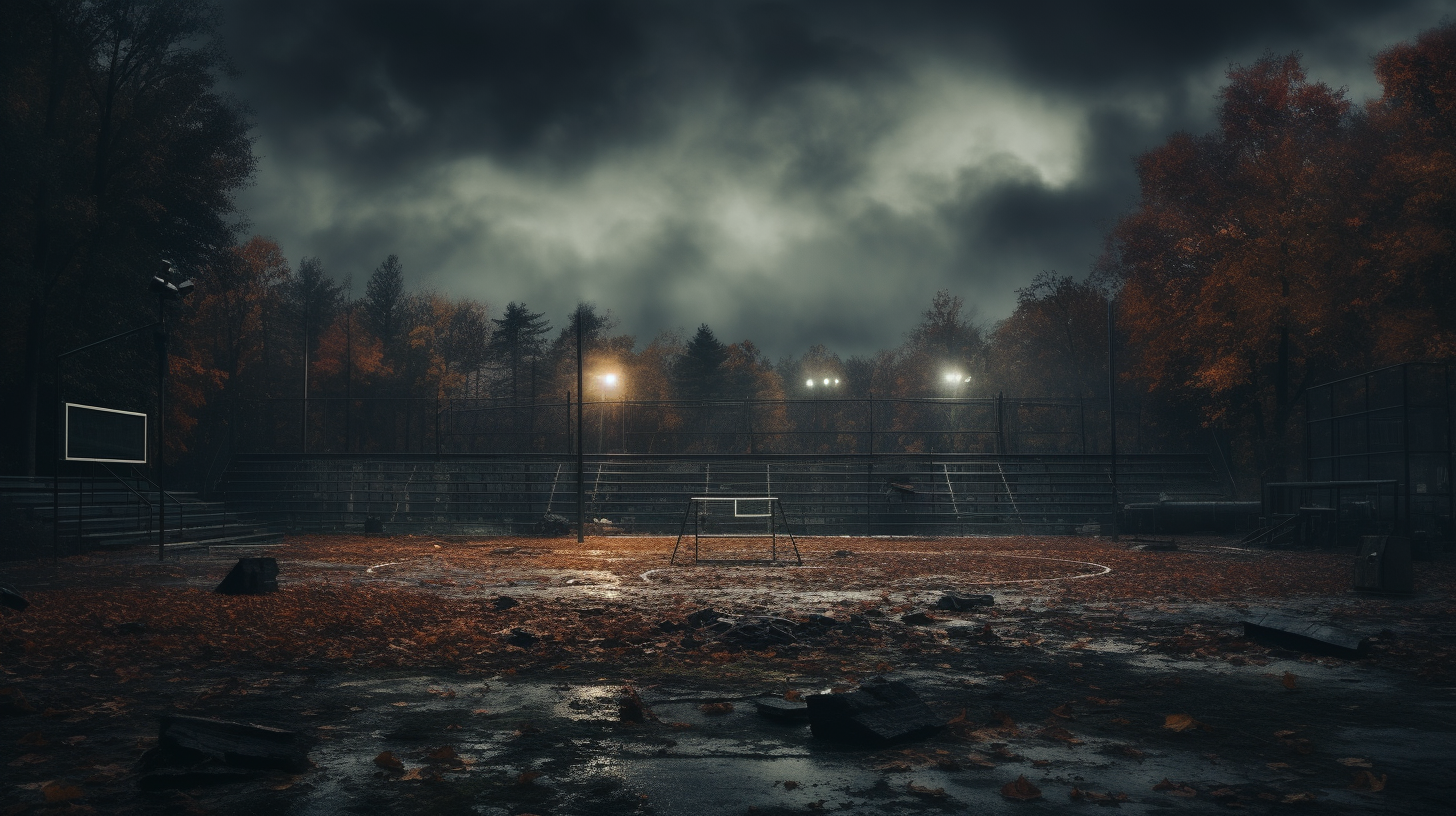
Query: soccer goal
[[733, 527]]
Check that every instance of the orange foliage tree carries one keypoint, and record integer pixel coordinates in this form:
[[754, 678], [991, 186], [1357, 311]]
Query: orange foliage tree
[[1242, 281]]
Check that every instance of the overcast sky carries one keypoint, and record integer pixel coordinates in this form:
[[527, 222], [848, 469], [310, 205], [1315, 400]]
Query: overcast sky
[[786, 172]]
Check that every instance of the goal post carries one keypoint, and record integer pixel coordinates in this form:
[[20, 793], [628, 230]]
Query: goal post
[[740, 520]]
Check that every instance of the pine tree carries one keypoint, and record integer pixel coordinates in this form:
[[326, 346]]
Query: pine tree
[[698, 371], [517, 341]]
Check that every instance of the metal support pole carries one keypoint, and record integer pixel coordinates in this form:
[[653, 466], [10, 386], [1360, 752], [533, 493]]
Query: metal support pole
[[161, 337], [580, 457], [1112, 411]]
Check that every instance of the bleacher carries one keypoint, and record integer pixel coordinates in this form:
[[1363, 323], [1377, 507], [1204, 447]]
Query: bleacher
[[892, 494], [110, 513]]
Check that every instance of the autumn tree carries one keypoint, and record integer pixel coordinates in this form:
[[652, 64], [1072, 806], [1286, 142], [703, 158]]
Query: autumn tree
[[1055, 342], [1409, 222], [1238, 271], [116, 147]]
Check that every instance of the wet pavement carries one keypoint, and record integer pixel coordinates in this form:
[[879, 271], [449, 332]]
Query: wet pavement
[[1073, 696]]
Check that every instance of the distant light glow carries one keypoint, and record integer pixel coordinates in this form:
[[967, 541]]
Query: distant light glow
[[952, 376], [836, 381], [809, 383], [826, 380], [609, 380]]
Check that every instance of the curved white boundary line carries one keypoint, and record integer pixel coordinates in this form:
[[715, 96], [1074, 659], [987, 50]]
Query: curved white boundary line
[[1103, 567]]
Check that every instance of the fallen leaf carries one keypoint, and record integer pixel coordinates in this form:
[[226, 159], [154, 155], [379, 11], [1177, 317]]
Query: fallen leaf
[[527, 777], [34, 738], [388, 760], [1182, 722], [1366, 780], [1289, 680], [1355, 762], [790, 784], [1021, 790], [923, 791], [1296, 798], [1059, 734], [716, 709], [1175, 788], [59, 791], [444, 753], [1125, 750], [1282, 734], [1064, 711], [793, 695]]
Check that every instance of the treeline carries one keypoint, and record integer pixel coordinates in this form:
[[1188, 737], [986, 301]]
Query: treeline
[[1303, 239]]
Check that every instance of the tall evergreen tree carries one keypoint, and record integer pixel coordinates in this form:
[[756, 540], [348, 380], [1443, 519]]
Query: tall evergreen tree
[[698, 371], [384, 299], [516, 342]]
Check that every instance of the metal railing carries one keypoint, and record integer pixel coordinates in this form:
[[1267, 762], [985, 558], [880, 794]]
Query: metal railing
[[941, 494], [993, 425]]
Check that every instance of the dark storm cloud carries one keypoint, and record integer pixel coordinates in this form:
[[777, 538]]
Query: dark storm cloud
[[789, 172]]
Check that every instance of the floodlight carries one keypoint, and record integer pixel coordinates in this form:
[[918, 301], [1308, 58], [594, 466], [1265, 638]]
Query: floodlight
[[952, 377], [809, 383], [609, 380], [826, 380], [836, 381]]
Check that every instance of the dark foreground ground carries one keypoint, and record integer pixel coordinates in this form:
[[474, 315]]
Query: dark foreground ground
[[1105, 676]]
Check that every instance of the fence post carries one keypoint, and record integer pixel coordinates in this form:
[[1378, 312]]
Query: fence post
[[748, 426], [437, 426]]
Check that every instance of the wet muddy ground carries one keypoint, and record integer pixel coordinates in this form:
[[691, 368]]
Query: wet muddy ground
[[1103, 676]]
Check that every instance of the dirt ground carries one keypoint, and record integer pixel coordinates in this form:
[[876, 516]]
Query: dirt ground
[[1104, 675]]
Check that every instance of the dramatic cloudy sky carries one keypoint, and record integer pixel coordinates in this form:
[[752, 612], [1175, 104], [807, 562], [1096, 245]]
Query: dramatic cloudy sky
[[787, 172]]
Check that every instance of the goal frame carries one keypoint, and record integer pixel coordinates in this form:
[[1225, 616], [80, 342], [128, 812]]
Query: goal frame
[[774, 515]]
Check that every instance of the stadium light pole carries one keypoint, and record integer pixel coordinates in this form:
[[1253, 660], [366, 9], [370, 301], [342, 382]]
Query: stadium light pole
[[580, 457], [1112, 411], [169, 285]]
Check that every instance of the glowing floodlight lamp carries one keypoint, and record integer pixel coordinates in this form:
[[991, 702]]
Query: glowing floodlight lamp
[[609, 380]]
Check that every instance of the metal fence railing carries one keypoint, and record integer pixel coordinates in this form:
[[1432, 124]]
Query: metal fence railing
[[992, 425]]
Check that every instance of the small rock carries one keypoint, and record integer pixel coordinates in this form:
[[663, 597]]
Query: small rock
[[877, 714], [957, 602], [131, 628], [11, 599], [917, 619], [251, 576], [505, 602], [522, 638], [669, 626], [703, 617], [553, 525], [843, 553], [775, 708]]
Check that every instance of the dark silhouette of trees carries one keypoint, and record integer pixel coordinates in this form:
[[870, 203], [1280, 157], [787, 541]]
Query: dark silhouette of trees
[[698, 372], [115, 148], [384, 299], [516, 343]]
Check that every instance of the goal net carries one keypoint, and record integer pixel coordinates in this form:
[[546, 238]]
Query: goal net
[[735, 529]]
